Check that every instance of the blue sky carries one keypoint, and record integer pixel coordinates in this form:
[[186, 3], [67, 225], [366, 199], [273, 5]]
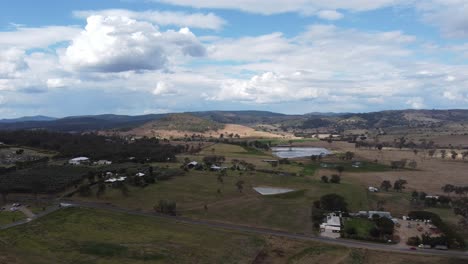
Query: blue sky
[[63, 58]]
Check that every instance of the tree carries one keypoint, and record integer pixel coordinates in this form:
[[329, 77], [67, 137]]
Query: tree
[[448, 188], [20, 151], [213, 160], [443, 153], [101, 189], [431, 152], [350, 230], [454, 154], [37, 187], [422, 195], [240, 185], [385, 185], [340, 169], [335, 179], [4, 191], [84, 190], [464, 155], [349, 155], [333, 202], [385, 225], [412, 164], [415, 195], [166, 207], [399, 185], [324, 179]]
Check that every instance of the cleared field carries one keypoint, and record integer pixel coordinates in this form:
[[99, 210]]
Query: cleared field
[[201, 195], [196, 189], [9, 155], [90, 236], [429, 176]]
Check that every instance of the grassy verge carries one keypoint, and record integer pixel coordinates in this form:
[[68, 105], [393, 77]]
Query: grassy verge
[[8, 217]]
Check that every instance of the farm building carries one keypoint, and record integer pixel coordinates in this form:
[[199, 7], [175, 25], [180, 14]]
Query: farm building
[[103, 162], [217, 168], [373, 189], [79, 161], [192, 164], [140, 174], [369, 214], [332, 224]]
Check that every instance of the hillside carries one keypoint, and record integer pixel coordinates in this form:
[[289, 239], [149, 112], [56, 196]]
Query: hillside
[[184, 122], [182, 125]]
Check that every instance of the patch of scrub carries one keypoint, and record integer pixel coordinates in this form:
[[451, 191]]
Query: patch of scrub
[[299, 152], [272, 190]]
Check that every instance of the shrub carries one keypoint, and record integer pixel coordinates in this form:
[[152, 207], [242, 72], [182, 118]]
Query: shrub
[[335, 179]]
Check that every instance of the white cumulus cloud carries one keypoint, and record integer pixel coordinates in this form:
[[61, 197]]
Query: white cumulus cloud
[[11, 62], [268, 87], [330, 15], [117, 44], [163, 18]]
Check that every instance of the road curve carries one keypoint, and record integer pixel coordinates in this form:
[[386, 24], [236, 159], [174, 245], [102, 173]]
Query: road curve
[[265, 231]]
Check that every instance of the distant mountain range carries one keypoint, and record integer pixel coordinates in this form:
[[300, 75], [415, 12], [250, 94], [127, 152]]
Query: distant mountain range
[[339, 121], [28, 118]]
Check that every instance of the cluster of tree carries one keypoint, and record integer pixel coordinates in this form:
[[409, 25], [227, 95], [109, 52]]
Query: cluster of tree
[[453, 238], [398, 185], [213, 160], [94, 146], [348, 155], [427, 240], [460, 207], [30, 163], [242, 165], [255, 144], [458, 190], [430, 201], [403, 163], [327, 203], [42, 179], [333, 179], [166, 207], [382, 230]]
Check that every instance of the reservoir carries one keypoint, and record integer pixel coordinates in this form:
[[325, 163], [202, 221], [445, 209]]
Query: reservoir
[[299, 152]]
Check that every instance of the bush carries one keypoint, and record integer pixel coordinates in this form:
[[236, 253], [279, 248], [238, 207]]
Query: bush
[[351, 231], [333, 202], [335, 179], [166, 207], [413, 241]]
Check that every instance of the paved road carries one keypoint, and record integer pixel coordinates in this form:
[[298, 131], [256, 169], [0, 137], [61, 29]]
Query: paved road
[[27, 220], [264, 231]]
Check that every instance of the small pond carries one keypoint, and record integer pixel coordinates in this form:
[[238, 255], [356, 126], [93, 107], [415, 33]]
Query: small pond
[[271, 190], [299, 152]]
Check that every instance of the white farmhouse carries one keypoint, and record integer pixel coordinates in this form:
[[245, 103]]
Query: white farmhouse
[[79, 161], [333, 223]]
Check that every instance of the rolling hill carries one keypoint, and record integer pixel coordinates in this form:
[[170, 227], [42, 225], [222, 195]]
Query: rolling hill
[[202, 122]]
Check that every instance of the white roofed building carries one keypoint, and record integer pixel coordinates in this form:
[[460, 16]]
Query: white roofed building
[[79, 161]]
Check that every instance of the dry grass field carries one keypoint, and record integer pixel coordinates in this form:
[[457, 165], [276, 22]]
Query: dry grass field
[[242, 131], [429, 176]]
